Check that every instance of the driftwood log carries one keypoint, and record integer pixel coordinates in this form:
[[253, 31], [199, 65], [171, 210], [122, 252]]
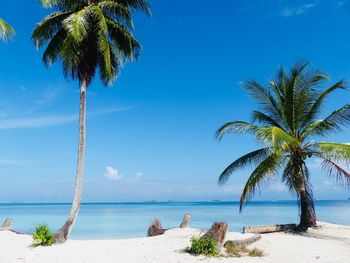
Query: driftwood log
[[268, 229], [155, 228], [217, 232], [7, 223], [186, 221], [242, 242]]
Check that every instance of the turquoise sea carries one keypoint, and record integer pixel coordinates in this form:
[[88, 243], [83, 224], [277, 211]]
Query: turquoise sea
[[126, 220]]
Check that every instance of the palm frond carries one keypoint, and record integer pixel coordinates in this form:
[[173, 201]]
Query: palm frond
[[334, 170], [334, 122], [262, 173], [278, 138], [77, 24], [47, 29], [53, 49], [108, 60], [264, 119], [265, 99], [138, 5], [123, 40], [63, 5], [117, 11], [251, 158], [336, 151], [235, 127], [334, 155], [317, 105], [6, 31]]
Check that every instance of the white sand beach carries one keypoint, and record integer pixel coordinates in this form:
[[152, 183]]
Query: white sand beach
[[329, 243]]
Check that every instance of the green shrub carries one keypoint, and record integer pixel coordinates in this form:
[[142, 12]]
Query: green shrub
[[43, 236], [205, 246]]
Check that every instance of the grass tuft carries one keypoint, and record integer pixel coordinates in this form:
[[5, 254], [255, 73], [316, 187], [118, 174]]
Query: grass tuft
[[239, 251], [43, 236], [203, 246]]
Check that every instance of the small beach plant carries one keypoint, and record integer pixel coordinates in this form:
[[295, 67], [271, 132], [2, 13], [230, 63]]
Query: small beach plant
[[255, 252], [204, 246], [6, 31], [43, 236], [288, 125], [87, 37]]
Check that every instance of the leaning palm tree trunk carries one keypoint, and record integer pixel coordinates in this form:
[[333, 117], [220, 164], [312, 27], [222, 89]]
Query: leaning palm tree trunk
[[62, 234]]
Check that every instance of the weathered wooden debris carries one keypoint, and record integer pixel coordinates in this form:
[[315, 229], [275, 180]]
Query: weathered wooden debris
[[186, 221], [268, 229], [7, 223], [217, 232], [155, 228], [243, 242]]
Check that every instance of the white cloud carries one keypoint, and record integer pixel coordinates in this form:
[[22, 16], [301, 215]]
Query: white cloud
[[112, 174], [296, 11], [138, 176]]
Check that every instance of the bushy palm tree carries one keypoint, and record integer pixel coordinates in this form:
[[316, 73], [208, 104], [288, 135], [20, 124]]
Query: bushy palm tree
[[87, 36], [6, 31], [288, 126]]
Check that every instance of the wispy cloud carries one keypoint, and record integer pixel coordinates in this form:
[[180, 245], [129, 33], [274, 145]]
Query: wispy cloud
[[36, 122], [298, 10], [112, 174], [340, 3], [10, 162], [52, 120], [138, 176], [49, 96]]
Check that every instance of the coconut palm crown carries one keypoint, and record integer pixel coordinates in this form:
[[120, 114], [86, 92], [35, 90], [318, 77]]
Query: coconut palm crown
[[6, 31], [287, 125], [87, 36]]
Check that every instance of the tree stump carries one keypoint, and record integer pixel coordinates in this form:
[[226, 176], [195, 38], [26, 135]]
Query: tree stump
[[7, 223], [217, 232], [186, 221], [155, 229]]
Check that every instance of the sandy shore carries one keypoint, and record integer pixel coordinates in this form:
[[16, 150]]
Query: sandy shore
[[330, 243]]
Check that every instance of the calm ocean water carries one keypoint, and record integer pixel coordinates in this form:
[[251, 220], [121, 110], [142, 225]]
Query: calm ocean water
[[125, 220]]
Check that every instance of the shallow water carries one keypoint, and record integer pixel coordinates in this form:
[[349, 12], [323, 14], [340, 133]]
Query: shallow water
[[125, 220]]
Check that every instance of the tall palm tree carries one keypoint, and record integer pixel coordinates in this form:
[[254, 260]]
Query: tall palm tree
[[6, 31], [86, 36], [287, 125]]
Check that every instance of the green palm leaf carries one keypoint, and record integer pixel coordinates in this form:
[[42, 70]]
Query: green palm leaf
[[6, 31], [266, 170], [251, 158]]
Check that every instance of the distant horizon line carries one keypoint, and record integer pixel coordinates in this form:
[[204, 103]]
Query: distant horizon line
[[169, 201]]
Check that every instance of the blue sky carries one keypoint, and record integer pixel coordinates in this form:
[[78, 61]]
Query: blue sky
[[151, 135]]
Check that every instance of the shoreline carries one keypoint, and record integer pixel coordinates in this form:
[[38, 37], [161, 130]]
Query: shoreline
[[327, 243]]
